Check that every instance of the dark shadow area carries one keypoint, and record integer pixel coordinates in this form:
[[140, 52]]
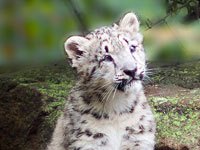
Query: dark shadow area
[[22, 117]]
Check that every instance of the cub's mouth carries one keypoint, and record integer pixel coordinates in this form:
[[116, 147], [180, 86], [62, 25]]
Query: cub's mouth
[[125, 83]]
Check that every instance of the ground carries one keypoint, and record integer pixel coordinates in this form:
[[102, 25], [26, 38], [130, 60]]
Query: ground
[[31, 100]]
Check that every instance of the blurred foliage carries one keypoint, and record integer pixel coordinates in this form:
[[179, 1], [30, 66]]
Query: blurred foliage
[[192, 7], [34, 31], [172, 52]]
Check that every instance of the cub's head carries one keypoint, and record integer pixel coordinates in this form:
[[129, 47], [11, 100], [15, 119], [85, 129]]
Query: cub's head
[[112, 55]]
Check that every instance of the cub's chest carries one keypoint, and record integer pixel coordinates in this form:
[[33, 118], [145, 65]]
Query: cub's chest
[[113, 128]]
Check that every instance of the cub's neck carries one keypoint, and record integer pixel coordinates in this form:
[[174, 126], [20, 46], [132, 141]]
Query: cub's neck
[[103, 97]]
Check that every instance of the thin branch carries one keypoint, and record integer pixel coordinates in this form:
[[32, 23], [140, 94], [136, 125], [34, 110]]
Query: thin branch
[[79, 17], [150, 24], [175, 35]]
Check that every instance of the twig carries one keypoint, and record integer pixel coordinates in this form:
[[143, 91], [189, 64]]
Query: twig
[[149, 24], [79, 17]]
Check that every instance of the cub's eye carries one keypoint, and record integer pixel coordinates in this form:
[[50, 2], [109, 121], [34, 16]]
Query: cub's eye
[[108, 58], [132, 48]]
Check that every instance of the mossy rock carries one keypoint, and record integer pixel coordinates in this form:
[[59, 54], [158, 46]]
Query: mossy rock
[[185, 75], [32, 99], [174, 95], [177, 112]]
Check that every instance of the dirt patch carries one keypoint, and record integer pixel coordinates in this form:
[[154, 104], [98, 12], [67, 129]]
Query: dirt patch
[[165, 90]]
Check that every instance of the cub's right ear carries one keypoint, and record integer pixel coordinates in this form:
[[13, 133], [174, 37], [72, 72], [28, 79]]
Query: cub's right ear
[[75, 46]]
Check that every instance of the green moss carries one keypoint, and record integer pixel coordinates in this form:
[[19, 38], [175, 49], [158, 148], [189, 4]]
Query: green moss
[[172, 51], [185, 75], [176, 120]]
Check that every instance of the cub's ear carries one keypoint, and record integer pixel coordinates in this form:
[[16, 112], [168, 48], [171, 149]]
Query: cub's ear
[[129, 22], [75, 47]]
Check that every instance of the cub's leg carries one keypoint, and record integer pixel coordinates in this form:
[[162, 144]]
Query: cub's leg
[[58, 137]]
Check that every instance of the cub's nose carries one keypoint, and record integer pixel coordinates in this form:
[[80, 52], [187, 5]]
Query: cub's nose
[[130, 73]]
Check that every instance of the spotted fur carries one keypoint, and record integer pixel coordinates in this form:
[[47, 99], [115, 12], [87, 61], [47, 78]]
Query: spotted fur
[[107, 109]]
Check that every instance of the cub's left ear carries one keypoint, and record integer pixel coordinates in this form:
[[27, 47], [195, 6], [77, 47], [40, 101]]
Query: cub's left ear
[[129, 22]]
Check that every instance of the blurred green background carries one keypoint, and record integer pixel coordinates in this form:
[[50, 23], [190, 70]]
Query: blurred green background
[[33, 31]]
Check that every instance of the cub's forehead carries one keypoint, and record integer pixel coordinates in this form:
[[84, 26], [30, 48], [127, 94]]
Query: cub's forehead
[[107, 37], [113, 33], [104, 33], [113, 38]]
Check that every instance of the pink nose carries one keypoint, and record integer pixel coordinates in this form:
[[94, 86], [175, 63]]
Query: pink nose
[[130, 73]]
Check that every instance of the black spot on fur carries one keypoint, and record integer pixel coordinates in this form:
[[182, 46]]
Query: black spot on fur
[[103, 143], [100, 62], [105, 116], [127, 128], [71, 123], [131, 110], [87, 100], [130, 130], [141, 127], [77, 148], [96, 57], [137, 144], [127, 137], [150, 130], [99, 116], [88, 132], [106, 48], [96, 115], [84, 122], [98, 135], [144, 105], [93, 70], [142, 117], [135, 103], [66, 145], [79, 134], [87, 111], [72, 131], [91, 73], [76, 110], [75, 130]]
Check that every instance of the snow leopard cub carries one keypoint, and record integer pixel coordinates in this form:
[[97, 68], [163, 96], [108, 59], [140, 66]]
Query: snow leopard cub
[[107, 109]]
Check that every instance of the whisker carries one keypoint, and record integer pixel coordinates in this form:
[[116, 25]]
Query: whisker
[[152, 68], [106, 84], [116, 86], [107, 97], [148, 79]]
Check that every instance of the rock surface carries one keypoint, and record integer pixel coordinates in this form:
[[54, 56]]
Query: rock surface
[[33, 98]]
